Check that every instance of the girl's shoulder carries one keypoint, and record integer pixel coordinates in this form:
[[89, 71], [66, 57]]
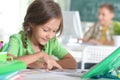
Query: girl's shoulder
[[53, 40], [17, 36]]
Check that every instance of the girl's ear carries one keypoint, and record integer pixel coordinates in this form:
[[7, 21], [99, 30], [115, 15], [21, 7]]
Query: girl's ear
[[31, 25]]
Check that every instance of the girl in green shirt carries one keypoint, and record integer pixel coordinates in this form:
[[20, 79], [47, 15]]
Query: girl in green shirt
[[37, 42]]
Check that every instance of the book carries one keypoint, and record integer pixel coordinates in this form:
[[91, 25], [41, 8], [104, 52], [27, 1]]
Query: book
[[16, 77], [12, 66], [7, 76]]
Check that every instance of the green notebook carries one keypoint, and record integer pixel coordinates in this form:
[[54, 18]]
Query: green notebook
[[12, 66], [7, 76], [105, 66]]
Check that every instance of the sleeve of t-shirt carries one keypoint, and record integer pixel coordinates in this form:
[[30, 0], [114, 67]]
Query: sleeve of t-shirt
[[116, 27], [13, 46], [59, 51], [89, 34]]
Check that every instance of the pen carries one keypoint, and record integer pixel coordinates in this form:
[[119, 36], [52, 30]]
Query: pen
[[1, 44], [4, 47]]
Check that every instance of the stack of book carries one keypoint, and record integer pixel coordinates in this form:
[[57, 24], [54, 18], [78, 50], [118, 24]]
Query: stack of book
[[11, 76], [10, 70]]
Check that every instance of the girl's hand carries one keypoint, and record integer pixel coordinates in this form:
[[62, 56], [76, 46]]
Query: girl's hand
[[37, 65], [49, 62], [42, 65]]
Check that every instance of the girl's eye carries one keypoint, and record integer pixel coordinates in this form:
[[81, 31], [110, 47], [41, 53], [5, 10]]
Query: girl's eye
[[45, 30], [54, 31]]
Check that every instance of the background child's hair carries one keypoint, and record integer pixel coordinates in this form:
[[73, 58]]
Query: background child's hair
[[40, 12], [108, 6]]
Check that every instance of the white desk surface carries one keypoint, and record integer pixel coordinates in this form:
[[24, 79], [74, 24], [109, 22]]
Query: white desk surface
[[40, 74]]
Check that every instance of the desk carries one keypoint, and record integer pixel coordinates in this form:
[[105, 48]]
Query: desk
[[39, 74]]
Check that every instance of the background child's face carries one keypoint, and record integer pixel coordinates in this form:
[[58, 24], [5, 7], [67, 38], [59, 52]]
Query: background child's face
[[105, 16], [43, 33]]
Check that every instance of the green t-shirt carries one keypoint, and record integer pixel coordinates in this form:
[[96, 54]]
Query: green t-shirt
[[17, 49]]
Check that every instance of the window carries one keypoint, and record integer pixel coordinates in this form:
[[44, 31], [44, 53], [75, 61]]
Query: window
[[12, 13]]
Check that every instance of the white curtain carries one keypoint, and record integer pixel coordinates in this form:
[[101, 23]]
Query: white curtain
[[9, 18], [12, 13]]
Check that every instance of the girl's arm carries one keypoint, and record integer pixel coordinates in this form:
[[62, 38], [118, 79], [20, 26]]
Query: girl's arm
[[37, 65], [31, 58], [28, 59], [68, 62]]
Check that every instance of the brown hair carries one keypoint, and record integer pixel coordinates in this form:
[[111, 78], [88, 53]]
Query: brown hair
[[108, 6], [40, 12]]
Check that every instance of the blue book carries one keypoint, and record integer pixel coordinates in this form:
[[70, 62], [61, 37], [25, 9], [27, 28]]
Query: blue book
[[8, 75]]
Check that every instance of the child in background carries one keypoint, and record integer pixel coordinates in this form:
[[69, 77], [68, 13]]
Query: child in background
[[37, 42], [102, 31]]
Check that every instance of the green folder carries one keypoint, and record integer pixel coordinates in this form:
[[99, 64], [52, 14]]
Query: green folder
[[7, 76], [11, 66], [104, 67]]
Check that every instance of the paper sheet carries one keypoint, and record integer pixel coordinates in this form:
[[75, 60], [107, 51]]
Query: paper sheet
[[51, 75]]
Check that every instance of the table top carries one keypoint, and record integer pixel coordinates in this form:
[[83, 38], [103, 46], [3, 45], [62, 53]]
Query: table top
[[41, 74]]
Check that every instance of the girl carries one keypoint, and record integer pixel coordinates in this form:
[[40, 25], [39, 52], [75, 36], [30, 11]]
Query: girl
[[102, 31], [37, 42]]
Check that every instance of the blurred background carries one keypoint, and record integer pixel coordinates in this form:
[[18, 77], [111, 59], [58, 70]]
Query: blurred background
[[12, 13]]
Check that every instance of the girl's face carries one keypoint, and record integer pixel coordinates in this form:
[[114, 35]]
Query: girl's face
[[105, 16], [43, 33]]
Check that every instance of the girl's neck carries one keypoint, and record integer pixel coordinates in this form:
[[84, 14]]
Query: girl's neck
[[33, 40], [34, 43]]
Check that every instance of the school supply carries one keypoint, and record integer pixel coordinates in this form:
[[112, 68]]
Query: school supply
[[4, 57], [1, 44], [11, 66], [5, 47], [42, 74], [106, 67], [7, 76]]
